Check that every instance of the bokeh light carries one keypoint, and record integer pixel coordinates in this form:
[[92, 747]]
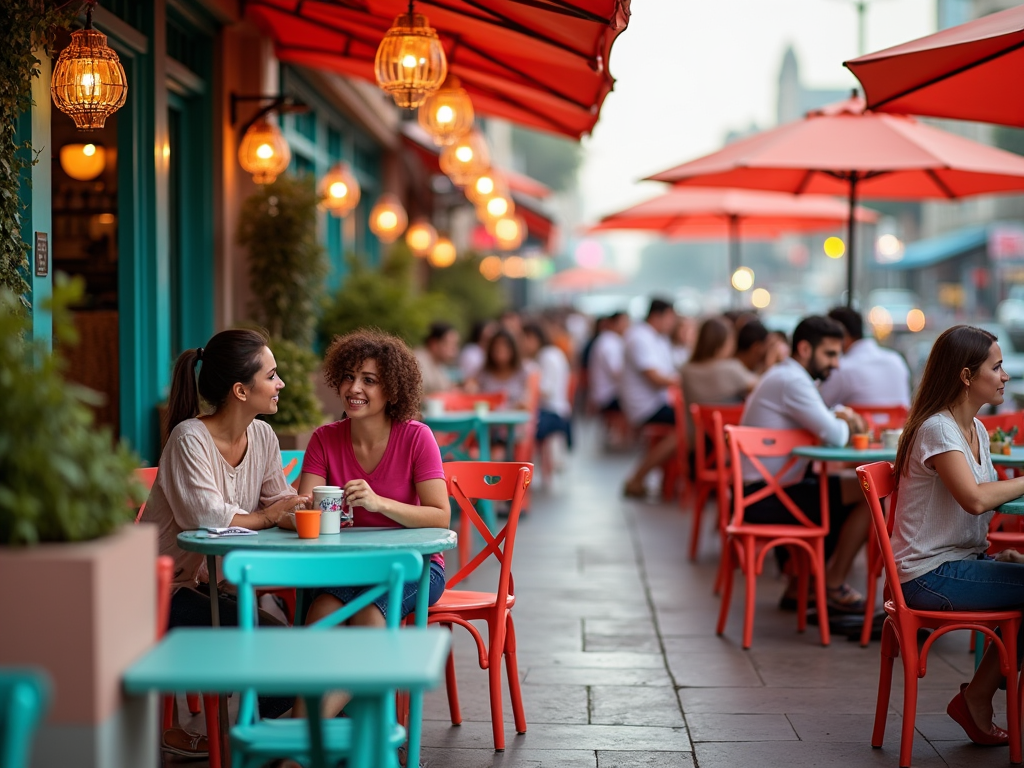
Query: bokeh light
[[743, 279], [915, 320], [760, 298], [589, 253], [490, 267], [834, 247], [889, 248]]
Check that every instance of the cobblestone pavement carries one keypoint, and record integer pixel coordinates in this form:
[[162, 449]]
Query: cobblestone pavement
[[621, 667]]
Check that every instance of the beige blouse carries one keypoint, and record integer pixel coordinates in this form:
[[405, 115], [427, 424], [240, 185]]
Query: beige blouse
[[196, 488]]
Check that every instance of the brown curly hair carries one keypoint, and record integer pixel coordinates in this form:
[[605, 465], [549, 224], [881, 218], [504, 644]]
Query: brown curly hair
[[397, 368]]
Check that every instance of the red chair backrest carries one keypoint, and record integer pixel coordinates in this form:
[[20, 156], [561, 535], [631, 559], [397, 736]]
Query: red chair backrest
[[754, 444], [878, 481], [704, 426], [495, 481], [881, 417], [146, 476], [164, 576], [464, 401], [1006, 422]]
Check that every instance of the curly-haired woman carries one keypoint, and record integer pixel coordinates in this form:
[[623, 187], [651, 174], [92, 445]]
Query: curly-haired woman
[[388, 464]]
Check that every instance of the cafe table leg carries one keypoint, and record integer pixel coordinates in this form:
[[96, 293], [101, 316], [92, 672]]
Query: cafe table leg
[[222, 700]]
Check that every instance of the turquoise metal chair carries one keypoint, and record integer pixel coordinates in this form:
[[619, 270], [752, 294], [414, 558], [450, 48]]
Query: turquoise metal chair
[[255, 741], [24, 698], [292, 463], [456, 437]]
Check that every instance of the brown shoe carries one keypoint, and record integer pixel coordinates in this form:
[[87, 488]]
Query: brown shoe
[[178, 741]]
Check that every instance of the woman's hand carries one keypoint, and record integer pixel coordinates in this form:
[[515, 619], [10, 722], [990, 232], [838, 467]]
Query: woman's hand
[[278, 511], [1009, 556], [358, 493]]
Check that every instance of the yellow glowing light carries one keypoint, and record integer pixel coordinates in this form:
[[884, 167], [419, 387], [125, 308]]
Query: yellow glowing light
[[442, 254], [497, 207], [484, 185], [88, 82], [834, 247], [264, 151], [444, 114], [915, 320], [447, 113], [743, 279], [465, 159], [83, 162], [881, 321], [490, 267], [760, 298], [515, 267], [410, 63], [340, 190], [388, 218], [89, 150], [420, 237], [464, 154]]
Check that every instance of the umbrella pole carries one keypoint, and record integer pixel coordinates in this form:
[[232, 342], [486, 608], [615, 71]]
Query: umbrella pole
[[851, 250], [734, 256]]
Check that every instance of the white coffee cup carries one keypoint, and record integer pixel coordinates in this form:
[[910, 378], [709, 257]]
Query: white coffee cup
[[329, 499], [891, 438]]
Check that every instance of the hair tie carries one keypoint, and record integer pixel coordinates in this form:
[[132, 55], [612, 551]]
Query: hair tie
[[199, 353]]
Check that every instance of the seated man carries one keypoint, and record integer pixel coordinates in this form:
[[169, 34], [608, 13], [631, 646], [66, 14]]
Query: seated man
[[869, 374], [439, 352], [787, 398], [647, 373]]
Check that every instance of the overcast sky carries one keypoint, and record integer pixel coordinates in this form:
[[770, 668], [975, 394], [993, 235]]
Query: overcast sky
[[687, 71]]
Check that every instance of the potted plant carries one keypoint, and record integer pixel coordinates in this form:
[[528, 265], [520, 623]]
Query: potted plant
[[84, 605], [286, 273]]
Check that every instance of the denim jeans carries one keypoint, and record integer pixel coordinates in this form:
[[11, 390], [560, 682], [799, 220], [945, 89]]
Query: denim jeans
[[976, 584]]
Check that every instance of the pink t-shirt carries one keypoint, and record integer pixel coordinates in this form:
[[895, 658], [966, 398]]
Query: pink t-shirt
[[411, 457]]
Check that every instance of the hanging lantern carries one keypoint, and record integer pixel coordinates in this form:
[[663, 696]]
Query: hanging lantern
[[466, 159], [388, 218], [83, 162], [339, 190], [263, 152], [410, 62], [420, 237], [447, 113], [88, 82], [495, 208], [509, 232], [485, 186], [442, 254]]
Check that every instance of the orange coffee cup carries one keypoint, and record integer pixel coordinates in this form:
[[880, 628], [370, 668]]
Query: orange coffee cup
[[860, 442], [307, 523]]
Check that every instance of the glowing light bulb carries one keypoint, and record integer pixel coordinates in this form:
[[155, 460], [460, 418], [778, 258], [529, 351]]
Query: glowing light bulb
[[915, 320], [760, 298], [408, 61], [497, 206], [743, 279], [89, 150], [338, 189], [264, 151], [88, 82], [484, 185], [445, 114], [464, 154]]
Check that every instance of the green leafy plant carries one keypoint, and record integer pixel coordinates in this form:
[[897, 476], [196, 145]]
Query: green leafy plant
[[384, 299], [61, 477], [999, 435], [298, 408], [286, 263], [28, 25]]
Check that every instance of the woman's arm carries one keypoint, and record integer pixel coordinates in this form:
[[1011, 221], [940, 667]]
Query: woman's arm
[[433, 511], [976, 498]]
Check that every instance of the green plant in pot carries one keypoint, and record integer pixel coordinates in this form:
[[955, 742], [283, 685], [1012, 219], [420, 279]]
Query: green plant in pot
[[61, 478], [287, 268]]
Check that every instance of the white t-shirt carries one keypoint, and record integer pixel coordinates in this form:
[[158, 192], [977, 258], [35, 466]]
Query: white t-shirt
[[605, 368], [868, 375], [554, 381], [786, 398], [929, 527], [646, 350], [471, 361]]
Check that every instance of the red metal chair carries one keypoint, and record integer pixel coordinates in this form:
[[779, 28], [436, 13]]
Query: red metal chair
[[747, 544], [146, 476], [902, 623], [881, 417], [708, 470], [497, 481], [464, 401]]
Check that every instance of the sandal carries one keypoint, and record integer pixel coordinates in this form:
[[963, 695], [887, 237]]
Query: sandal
[[844, 599], [634, 490], [185, 743]]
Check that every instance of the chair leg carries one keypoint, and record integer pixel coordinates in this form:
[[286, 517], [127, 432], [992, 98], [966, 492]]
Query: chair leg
[[452, 688], [720, 574], [700, 499], [819, 592], [750, 599], [888, 656], [909, 706], [1012, 694], [167, 712], [512, 672], [804, 567], [495, 645], [727, 567], [192, 700], [211, 704], [869, 606]]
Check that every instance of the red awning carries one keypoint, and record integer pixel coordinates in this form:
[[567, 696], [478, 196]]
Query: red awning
[[541, 63]]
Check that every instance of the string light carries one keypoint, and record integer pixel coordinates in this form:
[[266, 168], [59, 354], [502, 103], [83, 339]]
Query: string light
[[447, 113]]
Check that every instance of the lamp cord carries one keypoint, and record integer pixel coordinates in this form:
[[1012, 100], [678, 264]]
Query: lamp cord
[[410, 7]]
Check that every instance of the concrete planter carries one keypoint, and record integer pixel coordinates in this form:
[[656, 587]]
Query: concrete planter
[[85, 612]]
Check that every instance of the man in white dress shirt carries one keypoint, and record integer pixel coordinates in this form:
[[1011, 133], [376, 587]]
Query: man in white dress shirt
[[606, 360], [647, 373], [787, 397], [868, 374]]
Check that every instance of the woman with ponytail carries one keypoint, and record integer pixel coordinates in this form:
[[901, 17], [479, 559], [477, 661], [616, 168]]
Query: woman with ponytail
[[947, 491], [220, 466]]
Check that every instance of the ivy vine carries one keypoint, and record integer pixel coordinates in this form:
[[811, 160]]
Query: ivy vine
[[28, 26]]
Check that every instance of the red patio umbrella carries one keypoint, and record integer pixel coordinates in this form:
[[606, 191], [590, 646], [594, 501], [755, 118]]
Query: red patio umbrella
[[694, 213], [538, 63], [581, 279], [967, 72], [844, 150]]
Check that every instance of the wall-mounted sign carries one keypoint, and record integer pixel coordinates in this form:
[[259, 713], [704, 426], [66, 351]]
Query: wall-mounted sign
[[42, 254]]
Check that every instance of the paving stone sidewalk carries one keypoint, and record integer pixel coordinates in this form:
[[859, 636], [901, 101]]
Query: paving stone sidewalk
[[621, 667]]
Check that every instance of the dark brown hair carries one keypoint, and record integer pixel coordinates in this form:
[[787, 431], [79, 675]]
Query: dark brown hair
[[713, 335], [502, 335], [229, 358], [397, 368], [957, 348]]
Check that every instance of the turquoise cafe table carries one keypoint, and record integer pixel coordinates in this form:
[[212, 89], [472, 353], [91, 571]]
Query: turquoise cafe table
[[369, 663], [845, 453], [425, 541]]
